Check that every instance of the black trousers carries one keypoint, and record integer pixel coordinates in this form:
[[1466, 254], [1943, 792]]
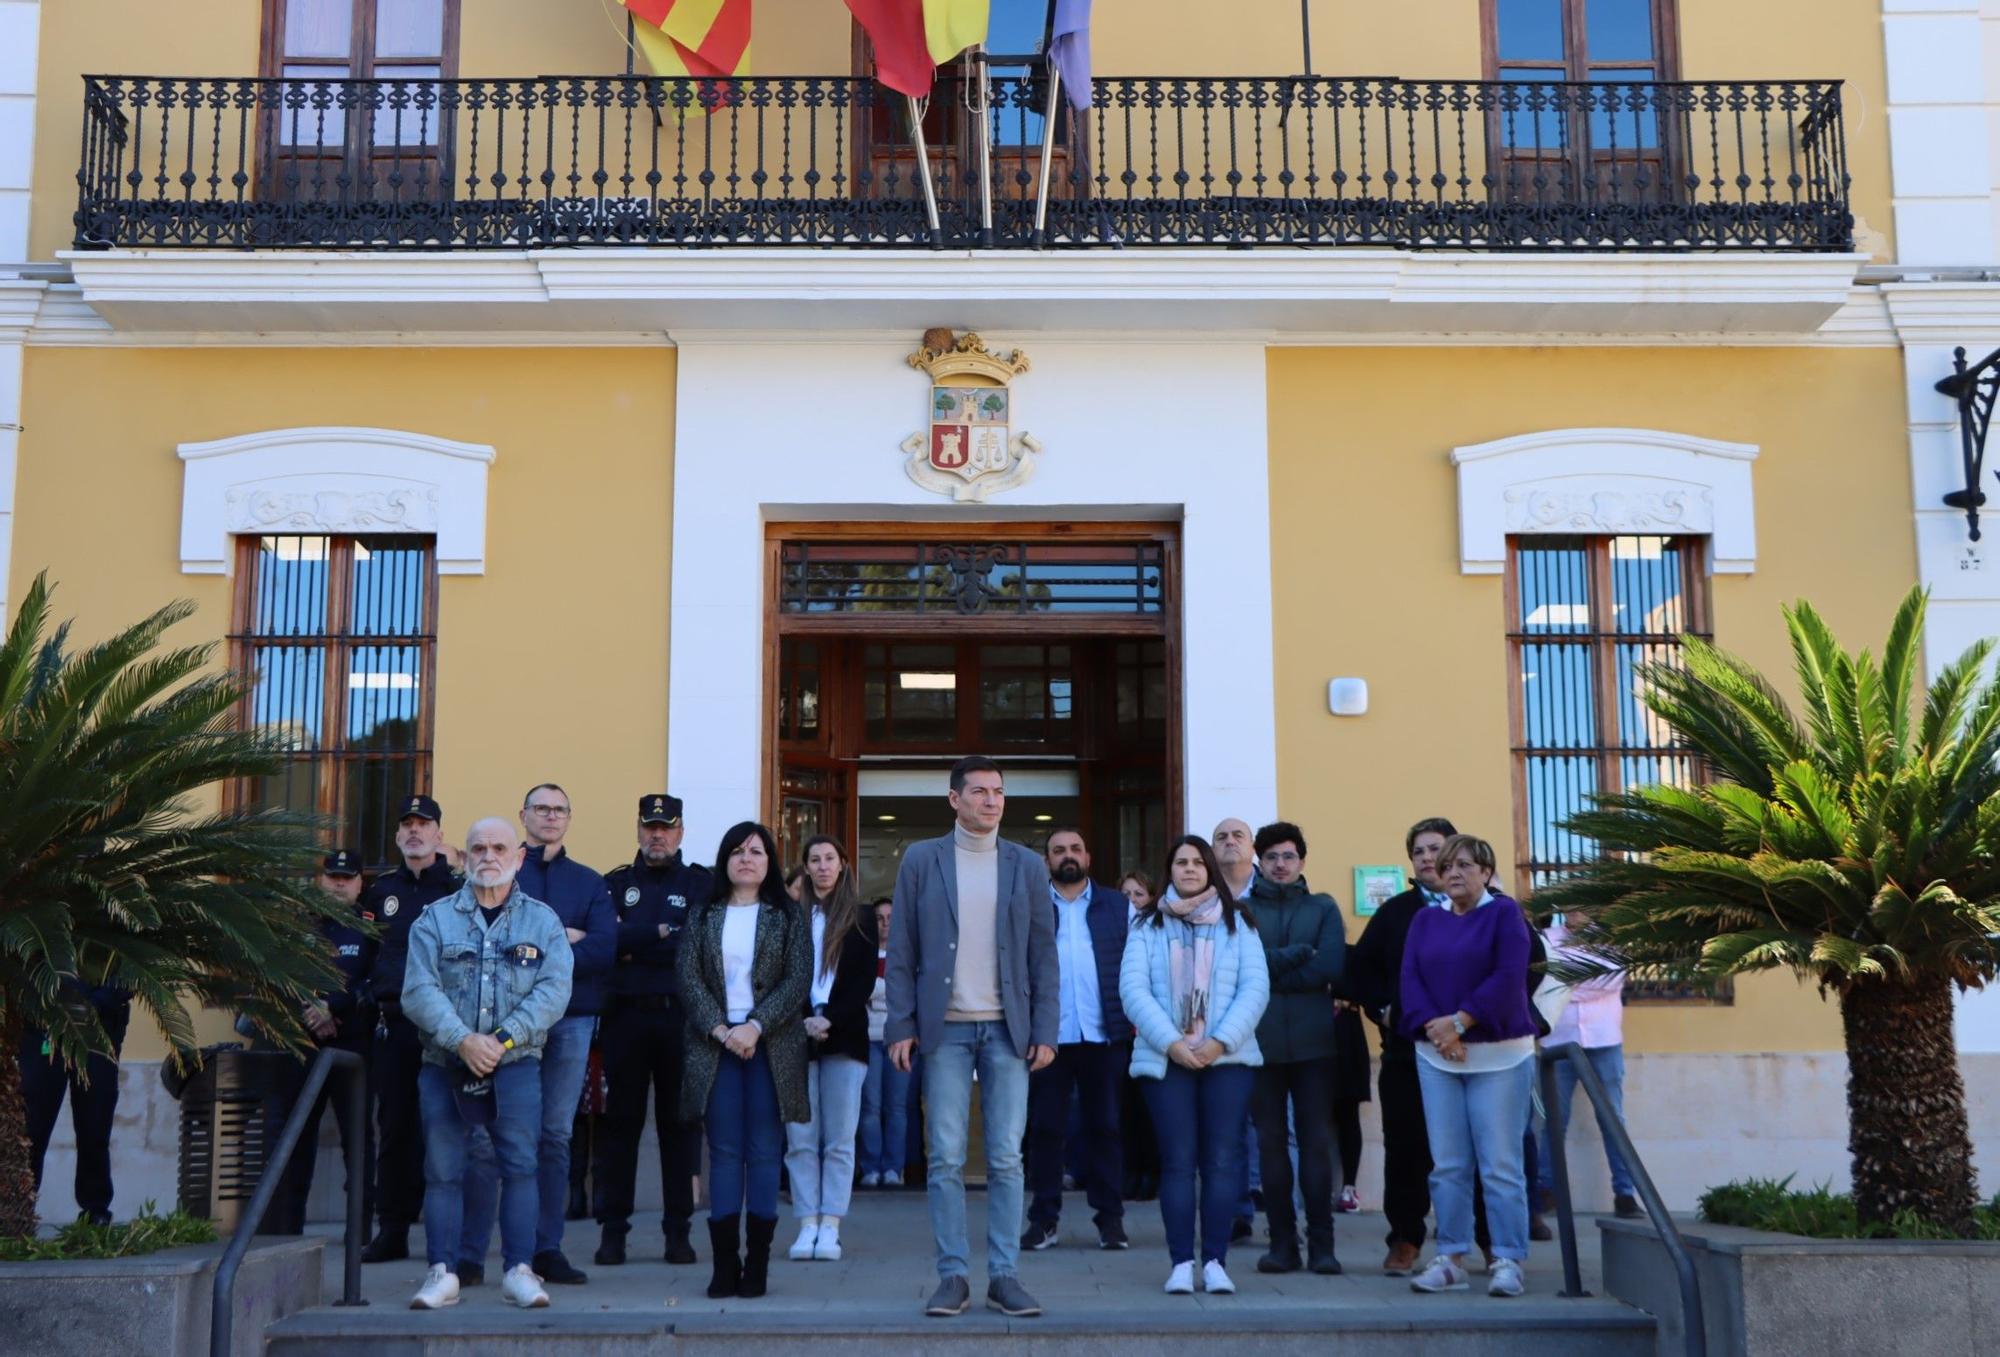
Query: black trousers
[[1307, 1085], [299, 1175], [1096, 1070], [1406, 1153], [92, 1109], [399, 1131], [644, 1047]]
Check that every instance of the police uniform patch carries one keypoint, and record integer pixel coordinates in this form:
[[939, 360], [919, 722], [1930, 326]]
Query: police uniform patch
[[631, 895], [389, 907]]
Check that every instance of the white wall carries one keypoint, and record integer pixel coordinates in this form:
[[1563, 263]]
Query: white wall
[[770, 427]]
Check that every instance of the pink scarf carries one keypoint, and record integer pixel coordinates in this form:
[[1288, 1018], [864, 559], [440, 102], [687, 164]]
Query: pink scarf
[[1191, 958]]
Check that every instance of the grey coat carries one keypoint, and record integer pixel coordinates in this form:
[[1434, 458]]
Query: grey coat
[[923, 945], [780, 978]]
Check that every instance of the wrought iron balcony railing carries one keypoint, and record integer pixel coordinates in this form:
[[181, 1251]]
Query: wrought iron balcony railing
[[828, 161]]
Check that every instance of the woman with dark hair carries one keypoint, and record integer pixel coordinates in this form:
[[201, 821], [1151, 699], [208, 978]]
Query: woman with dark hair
[[1194, 983], [1465, 1006], [819, 1153], [745, 970]]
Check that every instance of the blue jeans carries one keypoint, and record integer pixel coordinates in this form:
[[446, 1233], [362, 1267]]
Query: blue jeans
[[746, 1138], [517, 1091], [1003, 1109], [885, 1113], [819, 1154], [1475, 1123], [1253, 1173], [1609, 1062], [1197, 1119], [565, 1062]]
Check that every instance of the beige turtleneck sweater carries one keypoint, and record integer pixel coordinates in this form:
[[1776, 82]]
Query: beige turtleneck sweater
[[975, 978]]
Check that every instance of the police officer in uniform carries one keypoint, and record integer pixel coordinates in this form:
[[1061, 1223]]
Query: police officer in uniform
[[92, 1106], [343, 1018], [642, 1040], [393, 903]]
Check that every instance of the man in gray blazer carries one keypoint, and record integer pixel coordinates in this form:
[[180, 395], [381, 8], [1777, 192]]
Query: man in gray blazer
[[971, 982]]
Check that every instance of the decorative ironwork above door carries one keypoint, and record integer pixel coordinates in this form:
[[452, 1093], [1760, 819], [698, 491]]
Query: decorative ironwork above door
[[973, 579]]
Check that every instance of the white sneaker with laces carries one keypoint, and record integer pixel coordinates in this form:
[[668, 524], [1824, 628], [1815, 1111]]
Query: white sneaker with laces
[[1441, 1275], [1180, 1282], [802, 1247], [523, 1288], [892, 1178], [1506, 1279], [440, 1289], [826, 1248], [1215, 1281], [871, 1179]]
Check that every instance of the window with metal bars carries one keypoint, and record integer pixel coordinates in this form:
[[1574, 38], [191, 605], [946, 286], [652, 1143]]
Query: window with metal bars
[[336, 638], [1583, 614]]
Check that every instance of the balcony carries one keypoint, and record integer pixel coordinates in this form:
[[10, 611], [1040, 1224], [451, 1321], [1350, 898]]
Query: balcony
[[824, 161]]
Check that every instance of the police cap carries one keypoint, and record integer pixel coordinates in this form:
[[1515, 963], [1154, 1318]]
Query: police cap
[[421, 806], [660, 809], [340, 862]]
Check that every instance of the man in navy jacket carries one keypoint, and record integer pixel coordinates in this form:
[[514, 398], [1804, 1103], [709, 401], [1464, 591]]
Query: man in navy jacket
[[1093, 1050], [581, 900]]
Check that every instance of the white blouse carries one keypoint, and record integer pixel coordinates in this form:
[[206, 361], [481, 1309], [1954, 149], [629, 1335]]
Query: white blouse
[[739, 946]]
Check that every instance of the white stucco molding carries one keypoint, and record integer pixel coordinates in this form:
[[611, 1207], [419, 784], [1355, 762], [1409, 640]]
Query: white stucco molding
[[1605, 481], [347, 480]]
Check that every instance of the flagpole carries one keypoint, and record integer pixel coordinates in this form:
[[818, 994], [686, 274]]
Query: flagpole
[[977, 64], [1048, 154], [917, 109]]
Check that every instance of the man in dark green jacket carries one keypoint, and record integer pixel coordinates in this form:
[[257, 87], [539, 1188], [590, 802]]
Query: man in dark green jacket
[[1305, 945]]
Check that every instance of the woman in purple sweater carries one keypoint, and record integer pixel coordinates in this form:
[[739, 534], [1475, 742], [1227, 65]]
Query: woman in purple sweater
[[1465, 1005]]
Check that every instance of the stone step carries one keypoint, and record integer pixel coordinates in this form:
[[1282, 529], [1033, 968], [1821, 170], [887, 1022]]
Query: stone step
[[1420, 1327]]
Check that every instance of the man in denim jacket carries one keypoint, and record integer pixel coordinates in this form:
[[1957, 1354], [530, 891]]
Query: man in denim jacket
[[488, 975]]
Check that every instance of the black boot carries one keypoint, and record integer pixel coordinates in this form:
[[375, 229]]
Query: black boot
[[611, 1247], [391, 1244], [1319, 1253], [679, 1249], [722, 1240], [757, 1256], [1284, 1254]]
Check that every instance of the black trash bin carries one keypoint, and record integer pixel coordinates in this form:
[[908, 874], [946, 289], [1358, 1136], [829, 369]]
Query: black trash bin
[[232, 1112]]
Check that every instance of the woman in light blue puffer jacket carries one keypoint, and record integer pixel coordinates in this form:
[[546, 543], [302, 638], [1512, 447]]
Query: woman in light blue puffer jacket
[[1194, 984]]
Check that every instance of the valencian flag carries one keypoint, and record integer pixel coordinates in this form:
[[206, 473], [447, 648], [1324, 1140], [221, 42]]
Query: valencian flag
[[704, 39]]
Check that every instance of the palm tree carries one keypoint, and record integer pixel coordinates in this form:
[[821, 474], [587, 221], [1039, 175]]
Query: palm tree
[[111, 870], [1857, 845]]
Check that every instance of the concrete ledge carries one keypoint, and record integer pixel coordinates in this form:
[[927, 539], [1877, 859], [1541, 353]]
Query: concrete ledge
[[1775, 1295], [157, 1304]]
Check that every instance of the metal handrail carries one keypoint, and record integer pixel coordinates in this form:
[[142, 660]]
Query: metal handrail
[[1612, 1124], [222, 1316]]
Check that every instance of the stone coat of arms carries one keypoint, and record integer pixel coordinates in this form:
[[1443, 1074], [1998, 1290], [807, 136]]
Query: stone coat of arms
[[970, 450]]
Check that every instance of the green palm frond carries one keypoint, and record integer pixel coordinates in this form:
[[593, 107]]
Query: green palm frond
[[1860, 839], [114, 866]]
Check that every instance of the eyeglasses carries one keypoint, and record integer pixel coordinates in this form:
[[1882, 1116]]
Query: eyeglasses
[[558, 811], [1281, 857]]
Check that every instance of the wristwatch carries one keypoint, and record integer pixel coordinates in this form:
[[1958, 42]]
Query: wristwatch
[[1458, 1024]]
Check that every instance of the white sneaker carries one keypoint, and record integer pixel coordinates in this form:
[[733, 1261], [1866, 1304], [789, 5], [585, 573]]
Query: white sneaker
[[827, 1250], [1506, 1278], [1180, 1282], [1215, 1281], [892, 1179], [521, 1287], [440, 1289], [802, 1247], [871, 1179], [1441, 1275]]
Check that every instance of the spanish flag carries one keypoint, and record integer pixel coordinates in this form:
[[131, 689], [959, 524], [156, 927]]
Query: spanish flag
[[951, 26], [704, 39]]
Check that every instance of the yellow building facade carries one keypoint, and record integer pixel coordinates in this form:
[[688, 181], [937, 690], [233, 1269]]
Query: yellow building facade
[[1329, 377]]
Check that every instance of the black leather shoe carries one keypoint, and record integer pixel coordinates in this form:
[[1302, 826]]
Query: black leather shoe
[[471, 1274], [1242, 1228], [1281, 1258], [390, 1245], [610, 1249], [680, 1250], [556, 1270], [1627, 1207]]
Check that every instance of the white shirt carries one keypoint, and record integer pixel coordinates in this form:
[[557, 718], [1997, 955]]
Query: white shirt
[[1481, 1057], [1076, 968], [1595, 1015], [739, 946], [822, 986]]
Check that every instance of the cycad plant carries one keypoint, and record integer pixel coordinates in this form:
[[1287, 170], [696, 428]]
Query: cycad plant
[[113, 872], [1852, 841]]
